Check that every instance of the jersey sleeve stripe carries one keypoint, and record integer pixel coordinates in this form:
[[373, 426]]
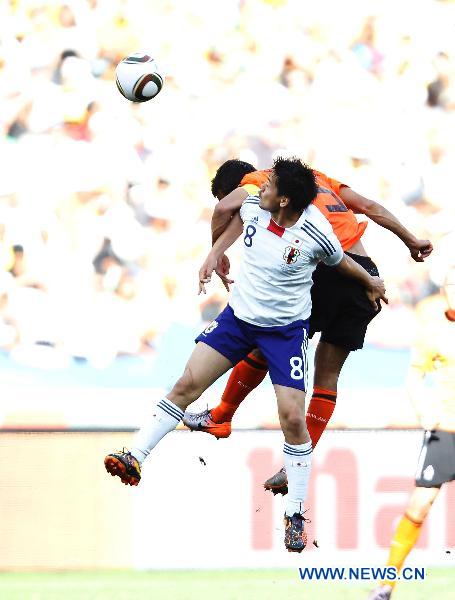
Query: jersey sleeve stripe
[[251, 200], [318, 241], [318, 232]]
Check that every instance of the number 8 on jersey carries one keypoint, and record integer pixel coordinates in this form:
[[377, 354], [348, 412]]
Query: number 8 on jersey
[[249, 233]]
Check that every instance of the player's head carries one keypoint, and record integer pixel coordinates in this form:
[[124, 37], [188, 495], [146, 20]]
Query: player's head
[[291, 184], [449, 292], [229, 176]]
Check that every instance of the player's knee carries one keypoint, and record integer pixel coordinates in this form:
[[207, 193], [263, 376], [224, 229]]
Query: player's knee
[[293, 422], [418, 513], [420, 503]]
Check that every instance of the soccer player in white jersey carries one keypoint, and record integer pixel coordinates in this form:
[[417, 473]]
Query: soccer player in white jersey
[[284, 238]]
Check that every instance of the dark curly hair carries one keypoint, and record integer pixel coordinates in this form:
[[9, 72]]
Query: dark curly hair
[[229, 176], [295, 180]]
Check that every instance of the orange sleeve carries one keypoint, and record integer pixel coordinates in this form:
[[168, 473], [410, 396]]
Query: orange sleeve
[[333, 184], [257, 178]]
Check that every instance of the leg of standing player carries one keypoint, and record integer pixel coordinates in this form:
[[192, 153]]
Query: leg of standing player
[[406, 535], [435, 468]]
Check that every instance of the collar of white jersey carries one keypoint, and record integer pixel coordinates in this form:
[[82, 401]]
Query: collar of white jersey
[[280, 231]]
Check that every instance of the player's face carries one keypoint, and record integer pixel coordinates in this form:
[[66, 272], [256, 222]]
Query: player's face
[[268, 196]]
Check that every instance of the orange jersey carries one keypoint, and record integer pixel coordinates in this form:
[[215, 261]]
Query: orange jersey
[[252, 182], [344, 223]]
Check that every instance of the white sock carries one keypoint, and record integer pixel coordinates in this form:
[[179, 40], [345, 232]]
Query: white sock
[[164, 418], [297, 460]]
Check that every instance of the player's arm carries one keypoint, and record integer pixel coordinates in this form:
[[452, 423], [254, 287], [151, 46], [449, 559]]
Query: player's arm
[[224, 241], [374, 286], [225, 210], [419, 249]]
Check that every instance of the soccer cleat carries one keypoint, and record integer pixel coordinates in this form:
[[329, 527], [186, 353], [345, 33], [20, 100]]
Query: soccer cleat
[[381, 593], [203, 422], [295, 538], [278, 483], [124, 465]]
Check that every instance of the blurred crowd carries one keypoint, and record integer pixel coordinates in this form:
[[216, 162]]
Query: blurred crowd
[[105, 205]]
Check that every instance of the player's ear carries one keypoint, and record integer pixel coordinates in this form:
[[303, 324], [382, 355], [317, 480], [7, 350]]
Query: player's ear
[[284, 201]]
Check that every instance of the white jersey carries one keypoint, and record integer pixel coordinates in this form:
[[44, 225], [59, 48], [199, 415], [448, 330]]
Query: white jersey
[[274, 282]]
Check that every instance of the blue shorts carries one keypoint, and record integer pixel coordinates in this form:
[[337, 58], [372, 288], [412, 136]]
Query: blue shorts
[[284, 347]]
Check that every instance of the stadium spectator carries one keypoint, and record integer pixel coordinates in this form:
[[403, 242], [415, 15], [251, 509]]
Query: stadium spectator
[[80, 165]]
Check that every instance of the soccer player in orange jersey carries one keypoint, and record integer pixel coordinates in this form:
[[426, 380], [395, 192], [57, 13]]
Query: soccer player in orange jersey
[[340, 311], [433, 355]]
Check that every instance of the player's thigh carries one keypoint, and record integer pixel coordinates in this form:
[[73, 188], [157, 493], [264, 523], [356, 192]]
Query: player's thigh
[[286, 352], [203, 368], [228, 335], [420, 502], [328, 362]]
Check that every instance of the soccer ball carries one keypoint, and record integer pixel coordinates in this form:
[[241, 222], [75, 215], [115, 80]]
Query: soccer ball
[[138, 78]]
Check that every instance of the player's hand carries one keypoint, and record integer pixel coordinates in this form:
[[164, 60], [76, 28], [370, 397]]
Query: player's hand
[[420, 249], [222, 270], [223, 265], [205, 272], [376, 291]]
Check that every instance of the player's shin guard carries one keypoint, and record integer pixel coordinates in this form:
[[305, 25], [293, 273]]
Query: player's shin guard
[[244, 378], [297, 460], [164, 417], [320, 409]]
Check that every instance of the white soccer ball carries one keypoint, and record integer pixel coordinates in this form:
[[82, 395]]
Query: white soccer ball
[[138, 78]]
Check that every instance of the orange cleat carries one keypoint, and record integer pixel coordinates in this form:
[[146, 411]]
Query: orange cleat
[[124, 465], [203, 422]]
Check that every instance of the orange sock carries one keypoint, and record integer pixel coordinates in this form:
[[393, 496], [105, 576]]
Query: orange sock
[[245, 376], [320, 409], [405, 536]]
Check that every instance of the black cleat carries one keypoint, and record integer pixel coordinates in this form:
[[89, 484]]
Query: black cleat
[[278, 483], [382, 593], [295, 538], [124, 465]]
